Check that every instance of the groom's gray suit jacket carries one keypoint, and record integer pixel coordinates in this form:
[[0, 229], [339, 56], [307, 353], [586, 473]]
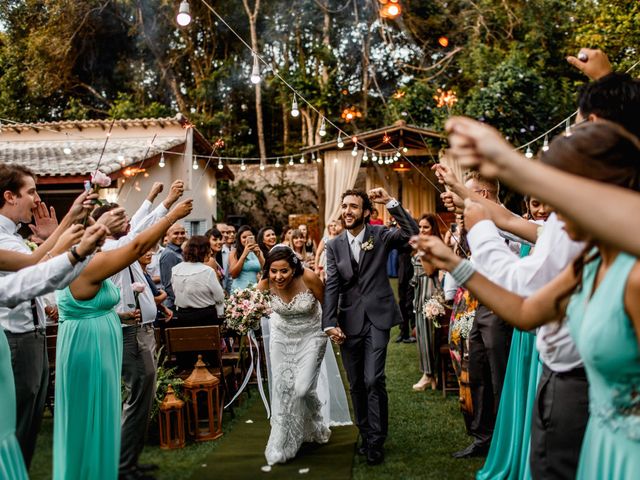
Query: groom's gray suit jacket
[[354, 290]]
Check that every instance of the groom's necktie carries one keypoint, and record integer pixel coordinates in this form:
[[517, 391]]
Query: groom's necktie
[[356, 246]]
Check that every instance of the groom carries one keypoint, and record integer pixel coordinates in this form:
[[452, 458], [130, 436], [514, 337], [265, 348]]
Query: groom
[[359, 308]]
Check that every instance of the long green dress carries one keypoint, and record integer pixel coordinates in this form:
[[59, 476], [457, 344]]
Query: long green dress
[[608, 344], [508, 456], [86, 431], [11, 461]]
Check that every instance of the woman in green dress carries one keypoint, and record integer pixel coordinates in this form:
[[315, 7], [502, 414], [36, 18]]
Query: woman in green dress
[[599, 295], [15, 288], [86, 432]]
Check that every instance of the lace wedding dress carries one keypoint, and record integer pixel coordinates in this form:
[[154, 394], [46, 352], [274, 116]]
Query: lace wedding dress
[[297, 347]]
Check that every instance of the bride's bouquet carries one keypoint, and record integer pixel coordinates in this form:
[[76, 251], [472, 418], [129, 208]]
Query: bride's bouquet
[[245, 308]]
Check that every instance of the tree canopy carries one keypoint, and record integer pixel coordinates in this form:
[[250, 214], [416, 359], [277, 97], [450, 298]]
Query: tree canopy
[[504, 60]]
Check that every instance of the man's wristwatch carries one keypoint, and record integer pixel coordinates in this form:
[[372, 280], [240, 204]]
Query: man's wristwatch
[[73, 251]]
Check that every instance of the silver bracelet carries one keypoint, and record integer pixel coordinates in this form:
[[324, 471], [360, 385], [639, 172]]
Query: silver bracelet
[[462, 273]]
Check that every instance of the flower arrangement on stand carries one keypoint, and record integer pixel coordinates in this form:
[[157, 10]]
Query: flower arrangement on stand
[[434, 309]]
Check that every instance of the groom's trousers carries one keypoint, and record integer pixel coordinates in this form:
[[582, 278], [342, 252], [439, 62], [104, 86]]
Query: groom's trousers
[[363, 357]]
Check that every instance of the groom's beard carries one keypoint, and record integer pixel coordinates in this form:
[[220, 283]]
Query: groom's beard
[[356, 223]]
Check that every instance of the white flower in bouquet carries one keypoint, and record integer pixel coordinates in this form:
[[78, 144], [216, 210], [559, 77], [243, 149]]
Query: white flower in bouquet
[[464, 324], [245, 308], [433, 309]]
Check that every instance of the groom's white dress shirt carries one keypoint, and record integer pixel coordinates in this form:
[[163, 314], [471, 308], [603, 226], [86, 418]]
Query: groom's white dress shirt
[[19, 319], [553, 251]]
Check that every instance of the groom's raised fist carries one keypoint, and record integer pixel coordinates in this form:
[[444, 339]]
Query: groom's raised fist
[[379, 195]]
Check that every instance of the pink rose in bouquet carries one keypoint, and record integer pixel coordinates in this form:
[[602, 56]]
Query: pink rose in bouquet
[[245, 308]]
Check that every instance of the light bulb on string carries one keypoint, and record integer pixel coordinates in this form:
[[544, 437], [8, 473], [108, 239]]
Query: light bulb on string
[[354, 152], [295, 111], [277, 163], [243, 167], [319, 160], [398, 155], [323, 128], [220, 165], [194, 165], [567, 128], [162, 163], [302, 160], [67, 147], [184, 14], [313, 157], [291, 160], [262, 167], [255, 71], [529, 153], [365, 156], [405, 149], [340, 142], [545, 144], [380, 160], [373, 157]]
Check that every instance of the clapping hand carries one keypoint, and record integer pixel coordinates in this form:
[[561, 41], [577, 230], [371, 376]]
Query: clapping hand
[[45, 221], [379, 195]]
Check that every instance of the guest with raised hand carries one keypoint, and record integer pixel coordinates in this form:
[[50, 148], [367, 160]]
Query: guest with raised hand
[[267, 239], [19, 287], [246, 261], [89, 366], [137, 313]]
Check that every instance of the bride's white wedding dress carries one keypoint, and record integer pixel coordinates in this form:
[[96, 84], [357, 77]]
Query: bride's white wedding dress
[[296, 350]]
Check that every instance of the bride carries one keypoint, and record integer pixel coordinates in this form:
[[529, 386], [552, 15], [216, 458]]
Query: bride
[[301, 412]]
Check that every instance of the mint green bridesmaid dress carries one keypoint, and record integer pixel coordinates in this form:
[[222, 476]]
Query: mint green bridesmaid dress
[[508, 456], [608, 344], [86, 426], [11, 461]]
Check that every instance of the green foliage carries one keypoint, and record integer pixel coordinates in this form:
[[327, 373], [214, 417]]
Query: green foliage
[[165, 376]]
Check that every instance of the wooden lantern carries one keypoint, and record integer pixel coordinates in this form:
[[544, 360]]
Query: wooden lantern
[[204, 412], [171, 421]]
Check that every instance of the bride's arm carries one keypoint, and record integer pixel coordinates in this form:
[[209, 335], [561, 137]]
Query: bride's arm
[[313, 283]]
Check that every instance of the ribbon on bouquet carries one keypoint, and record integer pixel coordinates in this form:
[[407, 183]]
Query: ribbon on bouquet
[[253, 341]]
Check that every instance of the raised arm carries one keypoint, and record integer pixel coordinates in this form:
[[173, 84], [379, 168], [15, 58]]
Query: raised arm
[[106, 264]]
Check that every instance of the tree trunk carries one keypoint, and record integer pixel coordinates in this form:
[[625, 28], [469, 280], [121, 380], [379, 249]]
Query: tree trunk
[[253, 15]]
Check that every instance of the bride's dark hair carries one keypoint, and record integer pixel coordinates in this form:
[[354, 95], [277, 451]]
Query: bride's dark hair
[[282, 252]]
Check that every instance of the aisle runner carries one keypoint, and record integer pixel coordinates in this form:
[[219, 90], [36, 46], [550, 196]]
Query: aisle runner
[[240, 455]]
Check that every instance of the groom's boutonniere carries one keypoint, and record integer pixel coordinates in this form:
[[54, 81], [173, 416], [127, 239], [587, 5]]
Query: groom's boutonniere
[[368, 245]]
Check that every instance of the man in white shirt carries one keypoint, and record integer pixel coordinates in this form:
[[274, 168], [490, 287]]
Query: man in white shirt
[[25, 323], [137, 316]]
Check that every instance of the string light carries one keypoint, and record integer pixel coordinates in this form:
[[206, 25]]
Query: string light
[[67, 147], [302, 160], [529, 153], [380, 160], [545, 145], [319, 160], [243, 167], [354, 152], [262, 167], [365, 156], [295, 112], [374, 158], [220, 165], [161, 164], [277, 163], [255, 71], [194, 165], [184, 14], [323, 128], [340, 142], [405, 149], [291, 160], [313, 156]]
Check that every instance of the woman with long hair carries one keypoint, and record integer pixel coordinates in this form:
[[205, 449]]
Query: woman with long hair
[[426, 284], [216, 243], [267, 239], [298, 240], [246, 261]]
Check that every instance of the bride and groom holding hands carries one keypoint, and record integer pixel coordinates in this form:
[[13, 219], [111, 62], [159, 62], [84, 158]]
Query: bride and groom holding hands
[[355, 309]]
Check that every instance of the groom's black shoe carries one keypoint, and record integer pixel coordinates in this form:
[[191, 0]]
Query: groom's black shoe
[[473, 450], [363, 448], [375, 455]]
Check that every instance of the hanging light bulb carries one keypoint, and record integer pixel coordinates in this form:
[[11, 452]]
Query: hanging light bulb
[[405, 149], [255, 71], [184, 14], [380, 160], [302, 160], [323, 128], [398, 155], [374, 158], [529, 153], [194, 165], [220, 165], [162, 163], [567, 128], [291, 160], [313, 157], [67, 149], [277, 163], [319, 160], [243, 167], [365, 156], [354, 152], [262, 167], [295, 112], [545, 144], [340, 142]]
